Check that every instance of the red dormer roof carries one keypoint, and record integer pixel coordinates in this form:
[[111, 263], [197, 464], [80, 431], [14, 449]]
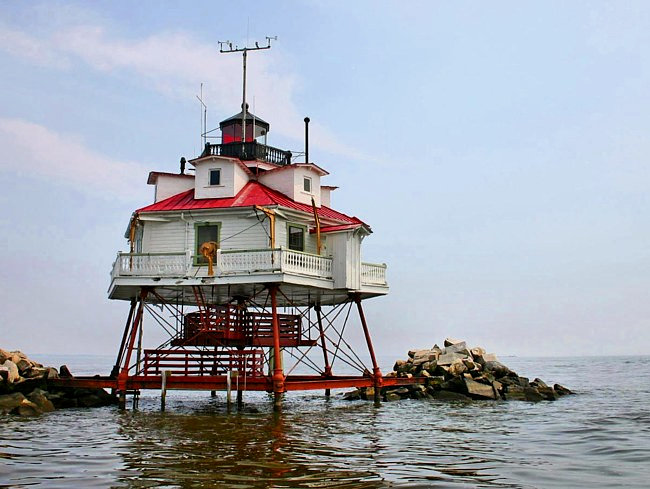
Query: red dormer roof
[[253, 193]]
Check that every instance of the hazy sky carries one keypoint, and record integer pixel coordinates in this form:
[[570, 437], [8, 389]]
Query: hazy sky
[[499, 150]]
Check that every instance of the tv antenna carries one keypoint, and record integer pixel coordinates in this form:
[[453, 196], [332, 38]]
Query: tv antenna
[[228, 47], [204, 114]]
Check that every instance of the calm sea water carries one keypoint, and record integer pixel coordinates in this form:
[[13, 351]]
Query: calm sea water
[[599, 438]]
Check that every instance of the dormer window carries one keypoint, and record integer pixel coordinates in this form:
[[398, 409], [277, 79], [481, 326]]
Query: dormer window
[[306, 184], [215, 177]]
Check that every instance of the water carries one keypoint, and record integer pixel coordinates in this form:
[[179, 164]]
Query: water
[[599, 438]]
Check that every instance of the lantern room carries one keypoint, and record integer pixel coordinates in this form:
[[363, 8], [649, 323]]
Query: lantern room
[[231, 128]]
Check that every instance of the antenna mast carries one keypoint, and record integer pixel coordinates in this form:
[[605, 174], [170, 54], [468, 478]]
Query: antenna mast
[[204, 121], [227, 47]]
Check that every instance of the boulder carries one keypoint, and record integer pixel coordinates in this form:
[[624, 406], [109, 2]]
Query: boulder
[[4, 355], [547, 393], [490, 357], [477, 351], [497, 368], [36, 373], [23, 365], [457, 368], [391, 396], [28, 408], [12, 371], [452, 341], [39, 398], [561, 390], [532, 394], [514, 392], [354, 395], [9, 402], [423, 356], [458, 348], [538, 383], [64, 371], [449, 358], [449, 396], [52, 373], [477, 390]]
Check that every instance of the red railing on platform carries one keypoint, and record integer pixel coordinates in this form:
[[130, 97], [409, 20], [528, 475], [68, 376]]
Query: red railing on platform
[[204, 362], [232, 322]]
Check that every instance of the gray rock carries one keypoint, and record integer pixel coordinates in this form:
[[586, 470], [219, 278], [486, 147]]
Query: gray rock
[[547, 393], [449, 396], [28, 408], [490, 357], [354, 395], [532, 394], [391, 396], [4, 355], [449, 358], [36, 373], [458, 348], [457, 368], [497, 368], [39, 398], [64, 371], [52, 373], [538, 383], [12, 371], [452, 341], [9, 402], [514, 392], [23, 365], [479, 391], [561, 390]]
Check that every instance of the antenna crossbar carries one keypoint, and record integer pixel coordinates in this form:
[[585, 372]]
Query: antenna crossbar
[[228, 47]]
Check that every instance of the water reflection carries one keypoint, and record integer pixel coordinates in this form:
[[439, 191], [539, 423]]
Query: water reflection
[[253, 448]]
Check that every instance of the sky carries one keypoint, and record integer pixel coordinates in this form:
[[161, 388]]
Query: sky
[[499, 151]]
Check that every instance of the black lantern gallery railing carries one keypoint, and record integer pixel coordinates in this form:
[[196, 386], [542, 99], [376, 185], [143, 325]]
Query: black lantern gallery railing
[[251, 150]]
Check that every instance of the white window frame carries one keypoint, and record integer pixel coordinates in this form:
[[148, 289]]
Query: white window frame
[[304, 181]]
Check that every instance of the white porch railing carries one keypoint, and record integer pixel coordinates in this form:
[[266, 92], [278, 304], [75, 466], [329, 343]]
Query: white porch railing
[[248, 261], [306, 264], [238, 262], [373, 274], [150, 264]]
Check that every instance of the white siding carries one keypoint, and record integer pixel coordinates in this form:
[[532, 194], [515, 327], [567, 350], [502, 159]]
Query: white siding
[[290, 182], [325, 196], [163, 237], [168, 185], [346, 250], [233, 178]]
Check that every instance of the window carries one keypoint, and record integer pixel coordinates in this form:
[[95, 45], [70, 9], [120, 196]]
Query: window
[[203, 233], [215, 176], [306, 184], [296, 237]]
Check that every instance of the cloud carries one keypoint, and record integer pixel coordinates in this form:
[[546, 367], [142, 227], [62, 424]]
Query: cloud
[[270, 84], [35, 151]]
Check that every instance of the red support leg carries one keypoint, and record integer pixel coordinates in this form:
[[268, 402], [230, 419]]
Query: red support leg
[[120, 353], [376, 373], [278, 374], [328, 368], [124, 374]]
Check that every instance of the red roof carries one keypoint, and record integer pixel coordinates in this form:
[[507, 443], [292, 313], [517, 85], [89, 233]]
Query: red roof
[[253, 193]]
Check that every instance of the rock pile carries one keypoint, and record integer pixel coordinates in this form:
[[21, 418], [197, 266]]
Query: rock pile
[[26, 388], [457, 372]]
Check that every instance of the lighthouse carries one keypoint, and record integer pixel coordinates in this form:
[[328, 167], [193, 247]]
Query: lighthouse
[[254, 275]]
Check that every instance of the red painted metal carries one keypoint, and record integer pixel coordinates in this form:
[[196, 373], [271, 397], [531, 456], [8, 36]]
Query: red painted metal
[[249, 363], [207, 382], [252, 194], [375, 367], [124, 374], [278, 374]]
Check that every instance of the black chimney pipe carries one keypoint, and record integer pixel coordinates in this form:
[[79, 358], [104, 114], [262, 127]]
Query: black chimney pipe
[[306, 139], [183, 161]]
